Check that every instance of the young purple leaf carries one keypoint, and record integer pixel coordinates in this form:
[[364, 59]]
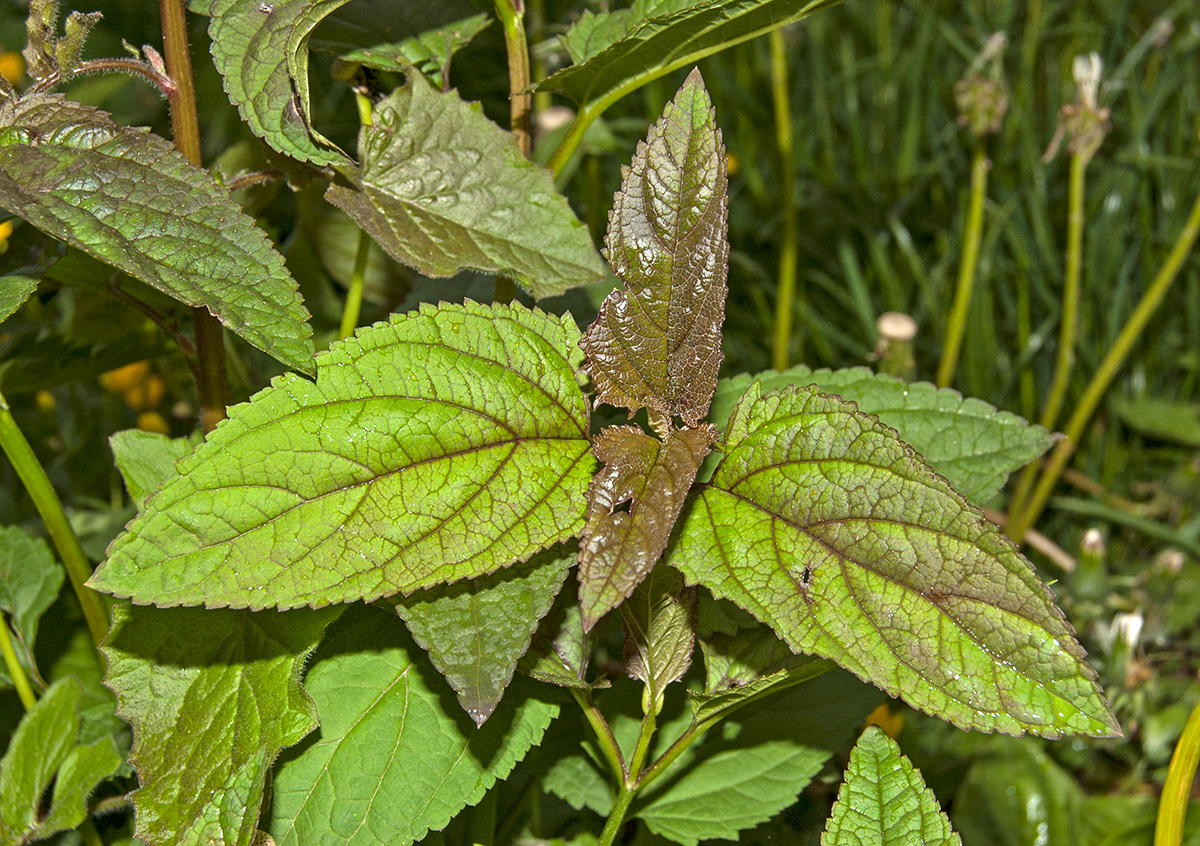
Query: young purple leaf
[[657, 343], [618, 548]]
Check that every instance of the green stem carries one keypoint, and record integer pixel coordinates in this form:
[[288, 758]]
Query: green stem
[[967, 267], [604, 735], [1070, 316], [789, 250], [1020, 522], [15, 670], [616, 818], [631, 784], [212, 383], [37, 483], [353, 307], [1065, 359], [575, 132], [512, 18], [1172, 806]]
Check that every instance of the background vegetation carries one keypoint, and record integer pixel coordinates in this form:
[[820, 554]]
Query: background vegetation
[[880, 184]]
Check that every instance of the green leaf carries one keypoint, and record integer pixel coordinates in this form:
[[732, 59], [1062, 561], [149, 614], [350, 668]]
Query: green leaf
[[659, 45], [128, 198], [84, 768], [261, 49], [971, 443], [724, 701], [618, 548], [444, 188], [755, 763], [1016, 796], [561, 649], [395, 757], [476, 630], [15, 289], [1174, 421], [732, 661], [657, 343], [42, 741], [660, 620], [884, 801], [827, 528], [428, 51], [146, 460], [442, 445], [212, 697], [30, 580]]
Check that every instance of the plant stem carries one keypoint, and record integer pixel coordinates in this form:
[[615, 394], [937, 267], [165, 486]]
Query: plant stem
[[1070, 321], [967, 267], [789, 251], [1172, 806], [1070, 316], [512, 18], [353, 306], [15, 670], [575, 132], [631, 783], [608, 743], [37, 483], [1130, 333], [212, 385], [616, 818]]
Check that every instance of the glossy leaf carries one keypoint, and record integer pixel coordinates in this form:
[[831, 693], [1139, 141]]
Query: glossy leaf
[[442, 445], [146, 460], [756, 762], [974, 445], [429, 51], [30, 580], [659, 45], [445, 189], [261, 49], [884, 801], [660, 621], [15, 289], [657, 342], [212, 697], [619, 547], [395, 757], [476, 630], [830, 530], [127, 198]]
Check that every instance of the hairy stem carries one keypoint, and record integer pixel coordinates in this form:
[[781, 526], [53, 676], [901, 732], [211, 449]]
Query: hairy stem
[[213, 384], [1172, 806], [604, 735], [15, 671], [49, 506], [789, 250], [1130, 333], [967, 267]]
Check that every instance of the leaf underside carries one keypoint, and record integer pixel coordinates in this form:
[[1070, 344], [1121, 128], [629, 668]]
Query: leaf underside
[[825, 526], [561, 649], [395, 757], [442, 445], [476, 630], [30, 580], [884, 801], [212, 697], [429, 51], [444, 189], [667, 42], [971, 443], [261, 49], [595, 32], [126, 197], [657, 342], [618, 548]]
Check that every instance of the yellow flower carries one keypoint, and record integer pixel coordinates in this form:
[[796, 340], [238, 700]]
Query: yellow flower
[[732, 163], [152, 421], [884, 718], [12, 66], [124, 378], [44, 400], [6, 230]]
